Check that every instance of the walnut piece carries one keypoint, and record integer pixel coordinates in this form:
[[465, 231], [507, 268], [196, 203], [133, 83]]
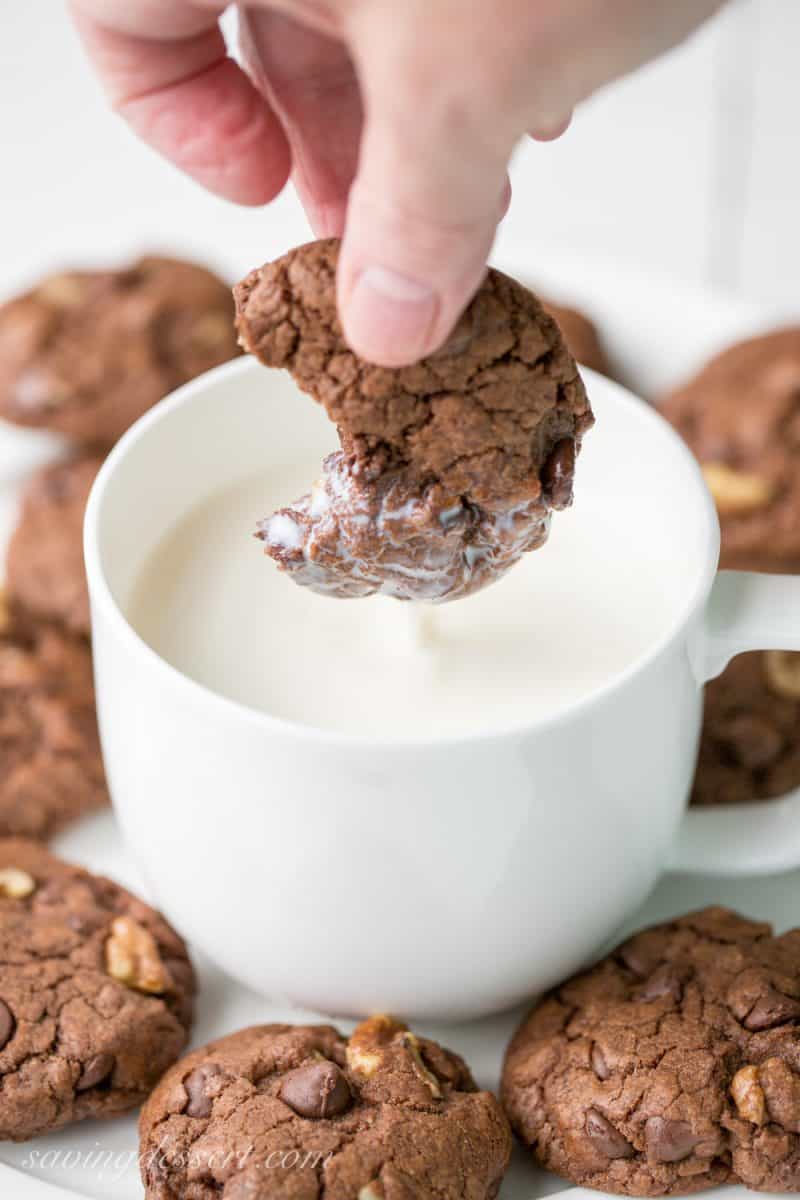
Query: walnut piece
[[783, 673], [737, 493], [748, 1095], [132, 957], [363, 1048], [16, 884], [411, 1044]]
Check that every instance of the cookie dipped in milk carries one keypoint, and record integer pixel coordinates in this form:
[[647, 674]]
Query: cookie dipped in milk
[[449, 469], [420, 507]]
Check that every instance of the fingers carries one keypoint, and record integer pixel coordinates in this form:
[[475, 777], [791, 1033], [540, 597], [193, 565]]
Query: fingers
[[166, 71], [430, 188], [448, 88], [310, 82]]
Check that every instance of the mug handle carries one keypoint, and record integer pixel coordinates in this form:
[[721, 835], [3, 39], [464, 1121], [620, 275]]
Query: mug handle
[[745, 612]]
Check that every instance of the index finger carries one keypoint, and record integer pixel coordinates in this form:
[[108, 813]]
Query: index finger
[[166, 71]]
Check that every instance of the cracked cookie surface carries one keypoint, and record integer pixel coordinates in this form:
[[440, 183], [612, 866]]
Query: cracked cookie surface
[[51, 770], [741, 417], [450, 469], [95, 994], [45, 574], [671, 1066], [293, 1112], [750, 745], [86, 353]]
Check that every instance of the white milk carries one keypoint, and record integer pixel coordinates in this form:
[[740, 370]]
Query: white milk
[[567, 619]]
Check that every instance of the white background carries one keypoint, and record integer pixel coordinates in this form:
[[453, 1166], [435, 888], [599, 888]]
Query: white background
[[690, 168]]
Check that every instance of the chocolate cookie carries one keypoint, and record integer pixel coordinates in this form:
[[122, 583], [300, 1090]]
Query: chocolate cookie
[[45, 574], [51, 770], [301, 1113], [671, 1066], [95, 994], [449, 469], [581, 336], [86, 353], [750, 746], [741, 417]]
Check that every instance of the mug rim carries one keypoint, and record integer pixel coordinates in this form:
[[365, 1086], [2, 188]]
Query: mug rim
[[103, 598]]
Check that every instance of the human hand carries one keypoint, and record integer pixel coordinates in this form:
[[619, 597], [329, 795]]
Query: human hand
[[396, 120]]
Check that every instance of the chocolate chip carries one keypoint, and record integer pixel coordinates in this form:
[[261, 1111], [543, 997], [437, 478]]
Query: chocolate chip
[[316, 1090], [558, 472], [669, 1141], [666, 980], [7, 1024], [196, 1087], [604, 1137], [771, 1009], [599, 1064], [96, 1071]]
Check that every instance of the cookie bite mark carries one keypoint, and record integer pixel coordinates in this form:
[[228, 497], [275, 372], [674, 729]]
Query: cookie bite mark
[[671, 1066], [300, 1110], [77, 1039], [449, 470]]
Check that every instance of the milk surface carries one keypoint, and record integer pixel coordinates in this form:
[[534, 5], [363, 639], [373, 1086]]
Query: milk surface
[[568, 619]]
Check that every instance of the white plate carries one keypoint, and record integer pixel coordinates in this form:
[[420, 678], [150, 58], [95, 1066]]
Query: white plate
[[99, 1159], [657, 332]]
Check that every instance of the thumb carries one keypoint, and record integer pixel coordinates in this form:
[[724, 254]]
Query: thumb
[[430, 189]]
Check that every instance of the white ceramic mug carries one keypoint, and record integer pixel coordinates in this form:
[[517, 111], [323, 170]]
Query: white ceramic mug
[[443, 878]]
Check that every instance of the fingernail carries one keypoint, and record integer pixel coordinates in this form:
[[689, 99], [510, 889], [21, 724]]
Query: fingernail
[[388, 318]]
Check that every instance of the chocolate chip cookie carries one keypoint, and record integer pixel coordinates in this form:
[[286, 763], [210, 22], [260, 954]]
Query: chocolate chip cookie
[[45, 574], [671, 1066], [449, 469], [85, 353], [95, 994], [300, 1112], [581, 335], [741, 417], [750, 746], [51, 770]]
